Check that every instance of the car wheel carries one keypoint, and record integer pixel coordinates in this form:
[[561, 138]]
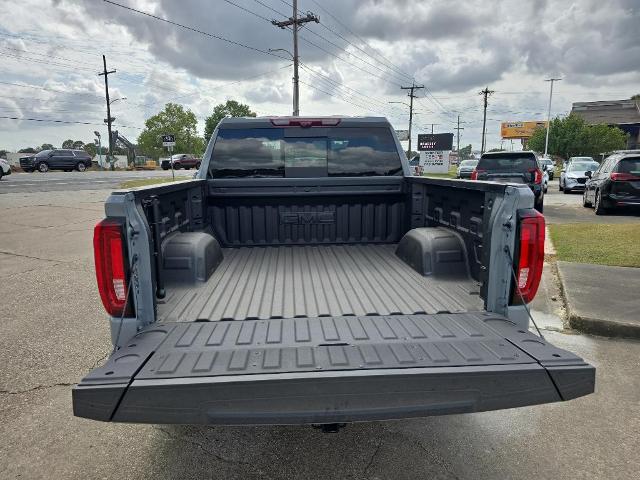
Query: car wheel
[[166, 167], [176, 166], [81, 167], [187, 168], [43, 167], [598, 207], [566, 190], [585, 202], [1, 173]]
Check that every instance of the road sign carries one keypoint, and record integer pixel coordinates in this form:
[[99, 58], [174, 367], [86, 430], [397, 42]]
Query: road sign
[[168, 140], [435, 142]]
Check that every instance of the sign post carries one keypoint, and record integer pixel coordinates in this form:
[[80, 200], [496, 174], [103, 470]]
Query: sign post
[[169, 141]]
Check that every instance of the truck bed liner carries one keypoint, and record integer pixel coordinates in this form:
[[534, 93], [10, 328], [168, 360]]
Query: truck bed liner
[[325, 370], [316, 281]]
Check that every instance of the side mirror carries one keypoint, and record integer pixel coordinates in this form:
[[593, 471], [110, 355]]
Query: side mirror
[[588, 174]]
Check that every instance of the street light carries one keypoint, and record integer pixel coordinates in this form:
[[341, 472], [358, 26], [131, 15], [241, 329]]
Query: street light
[[97, 134], [281, 50], [116, 99]]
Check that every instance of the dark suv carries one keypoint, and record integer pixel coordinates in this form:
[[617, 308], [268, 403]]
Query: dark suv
[[61, 159], [616, 183], [512, 167]]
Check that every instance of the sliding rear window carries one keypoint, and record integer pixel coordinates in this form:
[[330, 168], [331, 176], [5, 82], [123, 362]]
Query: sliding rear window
[[507, 163], [297, 152]]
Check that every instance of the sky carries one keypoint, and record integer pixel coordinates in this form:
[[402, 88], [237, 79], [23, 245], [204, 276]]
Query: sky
[[353, 62]]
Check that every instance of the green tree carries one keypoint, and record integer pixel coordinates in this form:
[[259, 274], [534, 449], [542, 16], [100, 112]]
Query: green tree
[[67, 143], [229, 109], [78, 144], [636, 97], [27, 150], [173, 119], [465, 152], [571, 136], [3, 153], [46, 146], [90, 148]]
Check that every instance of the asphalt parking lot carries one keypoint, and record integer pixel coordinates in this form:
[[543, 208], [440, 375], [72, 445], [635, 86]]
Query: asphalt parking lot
[[53, 330]]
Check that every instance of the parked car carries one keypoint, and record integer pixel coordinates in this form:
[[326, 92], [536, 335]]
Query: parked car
[[549, 166], [615, 183], [574, 177], [513, 167], [181, 160], [59, 159], [288, 284], [465, 169], [5, 168]]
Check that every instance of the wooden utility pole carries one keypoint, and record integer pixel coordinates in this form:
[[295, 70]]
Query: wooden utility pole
[[294, 21], [458, 128], [411, 97], [108, 120], [486, 92]]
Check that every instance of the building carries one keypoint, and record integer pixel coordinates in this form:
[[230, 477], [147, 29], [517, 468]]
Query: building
[[624, 114]]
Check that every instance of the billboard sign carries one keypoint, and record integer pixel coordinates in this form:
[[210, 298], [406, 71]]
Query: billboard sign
[[435, 142], [520, 129]]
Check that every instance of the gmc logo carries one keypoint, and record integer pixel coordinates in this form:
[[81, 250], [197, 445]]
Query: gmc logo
[[307, 218]]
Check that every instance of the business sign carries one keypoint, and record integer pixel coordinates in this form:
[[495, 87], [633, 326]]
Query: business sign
[[403, 135], [168, 140], [436, 161], [433, 142], [520, 129]]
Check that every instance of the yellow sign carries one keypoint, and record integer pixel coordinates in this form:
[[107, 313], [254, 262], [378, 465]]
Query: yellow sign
[[520, 129]]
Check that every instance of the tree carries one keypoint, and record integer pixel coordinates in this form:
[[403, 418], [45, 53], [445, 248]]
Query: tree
[[27, 150], [465, 152], [571, 136], [3, 153], [90, 148], [67, 144], [46, 146], [78, 144], [172, 119], [229, 109], [636, 97]]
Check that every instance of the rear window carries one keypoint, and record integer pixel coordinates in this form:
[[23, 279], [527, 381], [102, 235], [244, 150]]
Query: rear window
[[629, 165], [469, 163], [507, 163], [583, 166], [298, 152]]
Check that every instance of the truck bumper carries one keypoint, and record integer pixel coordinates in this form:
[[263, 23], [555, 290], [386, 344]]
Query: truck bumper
[[335, 370]]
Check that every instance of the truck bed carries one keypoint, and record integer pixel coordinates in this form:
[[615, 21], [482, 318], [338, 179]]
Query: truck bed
[[255, 283]]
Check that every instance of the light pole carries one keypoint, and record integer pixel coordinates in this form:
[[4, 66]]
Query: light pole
[[546, 141], [116, 99], [410, 122], [97, 134]]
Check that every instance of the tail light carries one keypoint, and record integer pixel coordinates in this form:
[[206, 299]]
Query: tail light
[[475, 173], [530, 255], [112, 271], [623, 177], [537, 175]]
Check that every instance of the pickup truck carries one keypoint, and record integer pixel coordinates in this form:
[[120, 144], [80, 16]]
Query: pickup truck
[[305, 277], [181, 160]]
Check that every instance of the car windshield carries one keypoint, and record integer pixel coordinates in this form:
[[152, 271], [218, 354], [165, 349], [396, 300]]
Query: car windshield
[[469, 163], [582, 166], [507, 163]]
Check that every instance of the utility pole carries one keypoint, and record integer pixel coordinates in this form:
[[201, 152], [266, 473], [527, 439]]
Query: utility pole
[[294, 21], [432, 124], [411, 96], [486, 92], [546, 141], [108, 120], [458, 128]]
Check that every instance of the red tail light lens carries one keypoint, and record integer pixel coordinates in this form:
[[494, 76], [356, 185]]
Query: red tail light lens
[[111, 266], [623, 177], [530, 255], [537, 179], [475, 173]]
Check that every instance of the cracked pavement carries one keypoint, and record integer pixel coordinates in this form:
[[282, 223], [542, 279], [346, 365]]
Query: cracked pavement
[[53, 330]]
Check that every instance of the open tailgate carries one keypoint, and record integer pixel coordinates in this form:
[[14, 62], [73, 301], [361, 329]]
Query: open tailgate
[[328, 370]]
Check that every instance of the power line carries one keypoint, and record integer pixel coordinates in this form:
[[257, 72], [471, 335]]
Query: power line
[[192, 29], [75, 122]]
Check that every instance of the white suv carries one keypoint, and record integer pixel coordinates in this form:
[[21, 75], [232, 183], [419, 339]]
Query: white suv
[[5, 168]]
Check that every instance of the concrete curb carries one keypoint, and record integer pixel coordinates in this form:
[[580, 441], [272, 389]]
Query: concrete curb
[[595, 326]]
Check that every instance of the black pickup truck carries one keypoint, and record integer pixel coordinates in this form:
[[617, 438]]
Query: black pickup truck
[[305, 277]]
